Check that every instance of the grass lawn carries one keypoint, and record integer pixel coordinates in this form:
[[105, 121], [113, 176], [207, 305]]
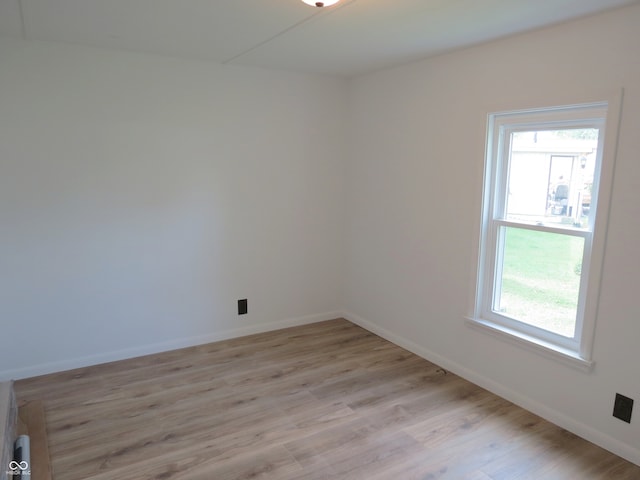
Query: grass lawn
[[541, 279]]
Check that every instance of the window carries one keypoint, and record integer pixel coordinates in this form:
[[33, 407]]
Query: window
[[539, 254]]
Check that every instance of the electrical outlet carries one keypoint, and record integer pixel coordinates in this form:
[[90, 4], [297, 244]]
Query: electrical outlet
[[623, 407], [242, 307]]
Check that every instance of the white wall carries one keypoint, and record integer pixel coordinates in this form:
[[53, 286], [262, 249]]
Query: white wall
[[141, 196], [414, 182]]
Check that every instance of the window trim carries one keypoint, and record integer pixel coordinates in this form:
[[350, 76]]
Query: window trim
[[577, 353]]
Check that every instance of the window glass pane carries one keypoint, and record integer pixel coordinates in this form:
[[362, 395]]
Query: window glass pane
[[540, 279], [551, 176]]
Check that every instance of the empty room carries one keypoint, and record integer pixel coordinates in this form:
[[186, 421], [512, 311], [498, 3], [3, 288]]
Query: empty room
[[288, 239]]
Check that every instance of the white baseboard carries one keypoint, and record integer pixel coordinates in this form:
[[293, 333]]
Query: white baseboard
[[605, 441], [70, 364]]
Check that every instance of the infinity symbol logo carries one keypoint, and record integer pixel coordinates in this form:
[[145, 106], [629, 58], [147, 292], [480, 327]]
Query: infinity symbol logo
[[18, 466]]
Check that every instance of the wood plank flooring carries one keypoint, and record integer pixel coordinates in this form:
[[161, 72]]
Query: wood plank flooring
[[32, 422], [323, 401]]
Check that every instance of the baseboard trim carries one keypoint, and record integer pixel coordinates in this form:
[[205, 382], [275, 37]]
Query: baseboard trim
[[70, 364], [584, 431]]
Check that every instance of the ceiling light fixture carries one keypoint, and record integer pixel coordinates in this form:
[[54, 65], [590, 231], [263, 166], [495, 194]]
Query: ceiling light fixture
[[326, 3]]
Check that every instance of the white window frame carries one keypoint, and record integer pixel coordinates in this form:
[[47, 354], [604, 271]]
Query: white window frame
[[603, 115]]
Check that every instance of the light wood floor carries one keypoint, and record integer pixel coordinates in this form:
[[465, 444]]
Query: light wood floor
[[322, 401]]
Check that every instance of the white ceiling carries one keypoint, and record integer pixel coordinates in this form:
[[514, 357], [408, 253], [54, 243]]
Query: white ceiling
[[350, 38]]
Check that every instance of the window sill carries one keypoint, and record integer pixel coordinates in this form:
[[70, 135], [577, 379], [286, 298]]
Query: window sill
[[549, 350]]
